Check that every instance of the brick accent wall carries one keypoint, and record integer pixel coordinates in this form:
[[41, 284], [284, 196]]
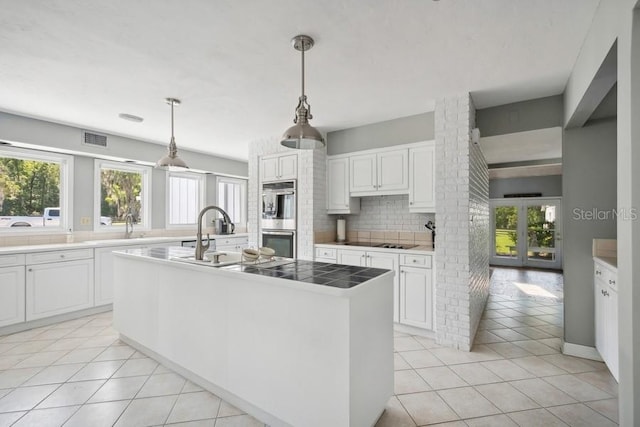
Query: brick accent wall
[[462, 217], [311, 193]]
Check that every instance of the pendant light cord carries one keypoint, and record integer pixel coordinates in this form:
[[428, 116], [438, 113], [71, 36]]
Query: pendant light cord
[[302, 50], [172, 103]]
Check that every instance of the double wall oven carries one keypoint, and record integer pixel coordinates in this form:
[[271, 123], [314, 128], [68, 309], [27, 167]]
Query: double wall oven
[[278, 220]]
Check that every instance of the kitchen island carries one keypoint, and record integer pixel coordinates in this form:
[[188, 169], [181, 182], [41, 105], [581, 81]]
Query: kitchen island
[[293, 343]]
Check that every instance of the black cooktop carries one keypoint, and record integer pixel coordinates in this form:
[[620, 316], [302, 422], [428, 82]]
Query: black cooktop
[[378, 245]]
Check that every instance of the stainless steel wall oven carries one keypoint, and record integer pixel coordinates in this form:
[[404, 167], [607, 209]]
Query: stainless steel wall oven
[[278, 219]]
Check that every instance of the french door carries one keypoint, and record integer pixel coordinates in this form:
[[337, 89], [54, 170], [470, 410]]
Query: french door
[[526, 232]]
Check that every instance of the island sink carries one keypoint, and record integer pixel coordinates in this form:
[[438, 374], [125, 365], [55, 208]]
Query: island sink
[[223, 258]]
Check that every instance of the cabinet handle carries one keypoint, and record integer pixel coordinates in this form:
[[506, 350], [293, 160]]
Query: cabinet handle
[[612, 282], [62, 256], [410, 203], [346, 206], [598, 272], [31, 269]]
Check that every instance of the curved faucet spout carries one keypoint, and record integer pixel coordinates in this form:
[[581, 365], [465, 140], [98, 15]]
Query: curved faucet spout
[[202, 247]]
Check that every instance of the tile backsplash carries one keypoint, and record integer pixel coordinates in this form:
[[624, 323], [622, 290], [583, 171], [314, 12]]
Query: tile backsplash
[[387, 213]]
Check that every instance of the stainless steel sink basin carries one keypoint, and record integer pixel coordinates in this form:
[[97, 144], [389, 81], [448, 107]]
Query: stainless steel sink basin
[[226, 258]]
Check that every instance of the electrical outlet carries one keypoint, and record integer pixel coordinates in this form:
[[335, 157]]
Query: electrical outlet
[[85, 220]]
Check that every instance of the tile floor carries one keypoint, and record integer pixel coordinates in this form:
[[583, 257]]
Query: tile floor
[[78, 373]]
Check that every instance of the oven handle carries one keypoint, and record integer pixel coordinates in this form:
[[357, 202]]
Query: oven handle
[[279, 233], [279, 193]]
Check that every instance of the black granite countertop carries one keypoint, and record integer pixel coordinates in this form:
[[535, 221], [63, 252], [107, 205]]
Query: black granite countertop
[[319, 273]]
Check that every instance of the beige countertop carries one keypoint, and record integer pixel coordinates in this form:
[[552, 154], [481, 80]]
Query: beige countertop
[[611, 261]]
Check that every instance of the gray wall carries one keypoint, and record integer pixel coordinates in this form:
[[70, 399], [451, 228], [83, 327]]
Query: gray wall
[[14, 128], [382, 134], [549, 186], [522, 116], [589, 182], [40, 133]]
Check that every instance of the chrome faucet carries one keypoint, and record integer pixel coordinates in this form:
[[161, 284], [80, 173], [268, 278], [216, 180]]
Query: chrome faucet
[[202, 247], [128, 225]]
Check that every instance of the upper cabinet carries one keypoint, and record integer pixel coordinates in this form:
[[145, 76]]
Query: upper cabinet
[[338, 199], [275, 168], [380, 173], [422, 186]]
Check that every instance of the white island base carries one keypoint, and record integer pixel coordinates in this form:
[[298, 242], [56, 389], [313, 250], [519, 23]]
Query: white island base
[[287, 352]]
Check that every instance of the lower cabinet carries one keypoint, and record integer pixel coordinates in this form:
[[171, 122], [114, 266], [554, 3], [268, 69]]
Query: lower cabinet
[[11, 295], [606, 315], [385, 260], [58, 287], [413, 284], [416, 297], [104, 274], [231, 244]]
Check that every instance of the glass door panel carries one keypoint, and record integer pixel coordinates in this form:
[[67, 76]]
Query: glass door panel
[[543, 249], [505, 249]]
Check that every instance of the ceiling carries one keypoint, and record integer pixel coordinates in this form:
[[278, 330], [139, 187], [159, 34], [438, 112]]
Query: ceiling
[[82, 62], [524, 146]]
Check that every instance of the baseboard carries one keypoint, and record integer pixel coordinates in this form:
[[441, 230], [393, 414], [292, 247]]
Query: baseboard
[[582, 351], [32, 324], [412, 330]]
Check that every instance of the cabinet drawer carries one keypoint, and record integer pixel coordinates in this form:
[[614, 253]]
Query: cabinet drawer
[[326, 253], [56, 256], [232, 241], [606, 276], [423, 261], [11, 260]]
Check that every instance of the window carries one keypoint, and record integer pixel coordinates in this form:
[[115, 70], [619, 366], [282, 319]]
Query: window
[[121, 189], [35, 191], [232, 197], [185, 198]]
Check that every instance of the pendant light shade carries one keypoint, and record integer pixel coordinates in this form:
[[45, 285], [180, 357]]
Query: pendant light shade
[[302, 135], [171, 160]]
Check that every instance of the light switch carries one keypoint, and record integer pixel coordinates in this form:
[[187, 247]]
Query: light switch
[[85, 220]]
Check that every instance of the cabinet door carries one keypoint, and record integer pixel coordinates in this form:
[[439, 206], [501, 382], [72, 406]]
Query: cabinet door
[[393, 171], [390, 262], [103, 274], [416, 297], [11, 295], [612, 334], [422, 187], [338, 184], [269, 169], [58, 288], [288, 167], [348, 257], [363, 173], [600, 319]]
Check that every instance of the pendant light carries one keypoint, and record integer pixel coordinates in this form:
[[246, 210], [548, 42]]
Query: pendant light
[[302, 135], [171, 160]]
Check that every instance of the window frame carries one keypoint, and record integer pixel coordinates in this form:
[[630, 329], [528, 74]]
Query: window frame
[[146, 173], [202, 182], [66, 191], [244, 195]]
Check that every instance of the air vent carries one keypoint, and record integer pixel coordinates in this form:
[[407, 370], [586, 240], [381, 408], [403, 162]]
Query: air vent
[[95, 139]]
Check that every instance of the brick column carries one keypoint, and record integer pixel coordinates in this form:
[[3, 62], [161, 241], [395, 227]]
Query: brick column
[[462, 221]]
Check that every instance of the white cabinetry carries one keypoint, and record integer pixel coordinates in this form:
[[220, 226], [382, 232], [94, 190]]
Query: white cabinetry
[[104, 274], [339, 200], [606, 314], [103, 269], [280, 167], [422, 183], [374, 259], [12, 291], [232, 244], [416, 291], [58, 282], [325, 255], [384, 172]]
